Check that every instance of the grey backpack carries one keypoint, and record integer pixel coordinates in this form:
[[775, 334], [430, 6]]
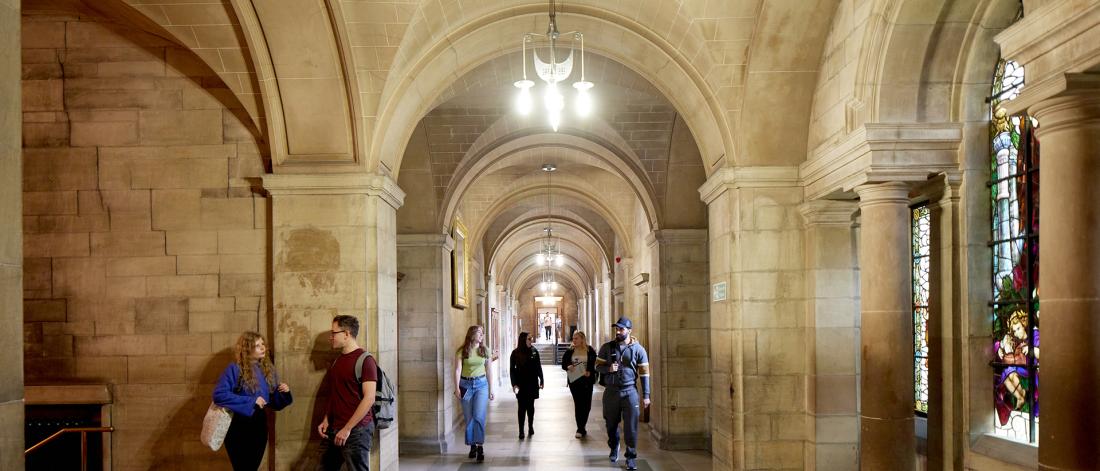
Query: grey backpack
[[385, 398]]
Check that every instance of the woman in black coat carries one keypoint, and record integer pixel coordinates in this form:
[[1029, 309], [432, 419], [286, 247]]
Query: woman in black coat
[[580, 364], [526, 372]]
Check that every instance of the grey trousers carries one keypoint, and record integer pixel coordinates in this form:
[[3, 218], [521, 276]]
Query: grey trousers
[[355, 452], [622, 404]]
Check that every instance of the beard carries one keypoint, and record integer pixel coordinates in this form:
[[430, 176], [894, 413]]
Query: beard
[[620, 337]]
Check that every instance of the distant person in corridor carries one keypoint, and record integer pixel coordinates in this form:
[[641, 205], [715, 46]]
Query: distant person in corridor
[[624, 362], [579, 362], [525, 369]]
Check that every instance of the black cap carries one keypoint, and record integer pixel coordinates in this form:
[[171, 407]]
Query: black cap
[[624, 323]]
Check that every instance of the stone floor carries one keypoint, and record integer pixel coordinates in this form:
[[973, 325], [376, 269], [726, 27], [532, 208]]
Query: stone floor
[[553, 446]]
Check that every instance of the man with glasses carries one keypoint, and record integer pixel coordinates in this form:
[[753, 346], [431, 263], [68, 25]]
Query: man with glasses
[[348, 427]]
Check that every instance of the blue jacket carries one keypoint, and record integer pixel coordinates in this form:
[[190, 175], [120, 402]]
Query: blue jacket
[[229, 393]]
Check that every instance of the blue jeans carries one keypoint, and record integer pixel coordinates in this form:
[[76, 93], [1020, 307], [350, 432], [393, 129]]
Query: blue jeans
[[475, 403]]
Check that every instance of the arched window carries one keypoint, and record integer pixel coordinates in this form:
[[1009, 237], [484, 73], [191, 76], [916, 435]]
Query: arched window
[[921, 220], [1014, 195]]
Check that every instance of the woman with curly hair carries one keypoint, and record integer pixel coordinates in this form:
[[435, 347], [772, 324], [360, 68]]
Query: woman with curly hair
[[247, 387]]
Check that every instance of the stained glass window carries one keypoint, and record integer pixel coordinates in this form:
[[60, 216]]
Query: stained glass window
[[1014, 195], [922, 235]]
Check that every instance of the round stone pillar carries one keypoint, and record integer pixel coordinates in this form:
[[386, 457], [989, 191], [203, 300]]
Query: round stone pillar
[[1069, 279], [886, 335]]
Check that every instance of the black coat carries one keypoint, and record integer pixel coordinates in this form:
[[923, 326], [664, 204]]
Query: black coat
[[567, 359], [526, 372]]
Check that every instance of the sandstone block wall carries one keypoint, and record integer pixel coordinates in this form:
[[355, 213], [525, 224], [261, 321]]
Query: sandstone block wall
[[145, 247], [11, 258]]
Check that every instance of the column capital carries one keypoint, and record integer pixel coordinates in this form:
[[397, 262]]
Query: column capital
[[828, 212], [1058, 38], [881, 152], [676, 236], [731, 178], [335, 184], [1068, 100], [443, 241], [883, 193]]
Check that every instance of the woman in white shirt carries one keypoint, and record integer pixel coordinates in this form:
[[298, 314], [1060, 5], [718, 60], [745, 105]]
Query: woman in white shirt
[[579, 362]]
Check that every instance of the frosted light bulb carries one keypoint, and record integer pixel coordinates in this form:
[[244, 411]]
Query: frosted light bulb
[[524, 103], [559, 260], [584, 101]]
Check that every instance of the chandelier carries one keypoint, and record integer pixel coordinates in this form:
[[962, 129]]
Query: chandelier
[[552, 73], [550, 246]]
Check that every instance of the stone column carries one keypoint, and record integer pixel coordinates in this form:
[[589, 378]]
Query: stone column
[[11, 239], [1069, 277], [886, 337], [757, 334], [334, 252], [832, 289], [423, 400], [947, 435], [680, 360]]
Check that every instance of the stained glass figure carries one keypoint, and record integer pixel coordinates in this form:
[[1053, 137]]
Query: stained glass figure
[[922, 234], [1014, 192]]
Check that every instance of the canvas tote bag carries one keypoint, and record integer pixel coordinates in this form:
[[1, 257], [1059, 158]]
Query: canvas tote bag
[[215, 425]]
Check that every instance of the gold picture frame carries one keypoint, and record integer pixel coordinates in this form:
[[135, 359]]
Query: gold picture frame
[[460, 266]]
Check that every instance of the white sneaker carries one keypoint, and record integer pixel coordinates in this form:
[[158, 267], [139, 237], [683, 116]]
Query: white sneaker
[[577, 435]]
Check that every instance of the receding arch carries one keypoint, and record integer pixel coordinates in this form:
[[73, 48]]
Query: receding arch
[[528, 191], [621, 160], [407, 96]]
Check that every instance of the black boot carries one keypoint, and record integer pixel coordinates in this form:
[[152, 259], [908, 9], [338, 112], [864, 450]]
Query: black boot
[[473, 451], [480, 453]]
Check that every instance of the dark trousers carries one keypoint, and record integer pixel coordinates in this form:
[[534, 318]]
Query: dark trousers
[[355, 452], [581, 389], [547, 331], [526, 409], [246, 440], [621, 404]]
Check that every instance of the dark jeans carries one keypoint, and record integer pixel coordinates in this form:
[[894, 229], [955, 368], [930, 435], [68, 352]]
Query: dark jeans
[[621, 404], [355, 452], [582, 401], [526, 408], [246, 440]]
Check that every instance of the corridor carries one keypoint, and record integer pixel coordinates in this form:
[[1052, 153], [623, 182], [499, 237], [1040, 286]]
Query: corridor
[[553, 446]]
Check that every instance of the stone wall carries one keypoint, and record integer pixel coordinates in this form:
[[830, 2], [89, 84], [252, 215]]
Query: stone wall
[[145, 246], [11, 257], [424, 298]]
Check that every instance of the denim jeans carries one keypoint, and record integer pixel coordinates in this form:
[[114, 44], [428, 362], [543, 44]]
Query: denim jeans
[[355, 452], [475, 403]]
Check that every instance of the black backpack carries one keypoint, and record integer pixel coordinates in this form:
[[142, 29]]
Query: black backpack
[[384, 409]]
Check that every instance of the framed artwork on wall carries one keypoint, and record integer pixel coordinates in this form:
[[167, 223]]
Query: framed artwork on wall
[[460, 266]]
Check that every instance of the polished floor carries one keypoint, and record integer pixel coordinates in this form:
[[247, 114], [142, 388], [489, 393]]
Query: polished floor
[[553, 446]]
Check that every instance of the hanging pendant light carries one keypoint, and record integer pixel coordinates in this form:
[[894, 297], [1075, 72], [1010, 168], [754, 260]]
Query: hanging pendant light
[[552, 73]]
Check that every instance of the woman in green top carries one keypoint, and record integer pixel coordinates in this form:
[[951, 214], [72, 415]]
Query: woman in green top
[[472, 361]]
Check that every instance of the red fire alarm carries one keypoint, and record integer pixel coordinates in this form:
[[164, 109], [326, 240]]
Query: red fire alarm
[[618, 259]]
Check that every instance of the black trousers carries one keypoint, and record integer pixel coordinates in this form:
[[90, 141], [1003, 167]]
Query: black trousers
[[246, 440], [526, 409], [581, 389]]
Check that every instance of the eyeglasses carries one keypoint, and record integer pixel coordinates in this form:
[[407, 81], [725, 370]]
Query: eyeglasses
[[333, 334]]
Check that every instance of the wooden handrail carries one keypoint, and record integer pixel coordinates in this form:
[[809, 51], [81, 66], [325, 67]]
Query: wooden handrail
[[84, 431]]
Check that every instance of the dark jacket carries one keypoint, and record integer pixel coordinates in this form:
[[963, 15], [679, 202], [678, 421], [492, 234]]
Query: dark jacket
[[526, 372], [567, 360]]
